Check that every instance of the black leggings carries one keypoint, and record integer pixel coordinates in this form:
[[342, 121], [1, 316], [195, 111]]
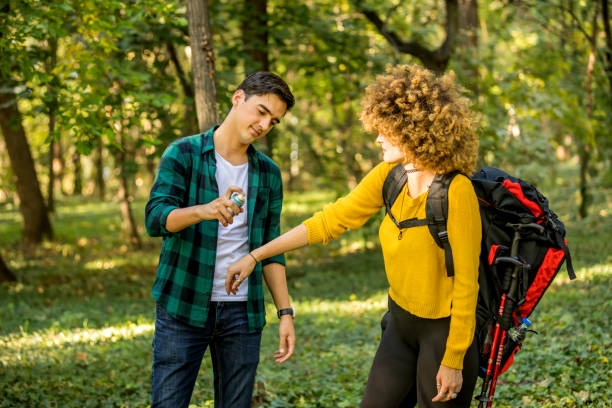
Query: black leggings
[[407, 361]]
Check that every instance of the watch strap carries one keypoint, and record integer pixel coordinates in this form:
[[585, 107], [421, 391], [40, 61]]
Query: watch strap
[[287, 311]]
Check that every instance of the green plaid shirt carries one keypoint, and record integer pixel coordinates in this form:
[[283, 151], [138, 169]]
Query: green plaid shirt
[[186, 177]]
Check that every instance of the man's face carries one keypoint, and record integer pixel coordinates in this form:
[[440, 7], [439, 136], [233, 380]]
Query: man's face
[[257, 115]]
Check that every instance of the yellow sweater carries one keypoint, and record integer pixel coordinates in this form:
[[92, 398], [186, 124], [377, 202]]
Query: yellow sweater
[[415, 264]]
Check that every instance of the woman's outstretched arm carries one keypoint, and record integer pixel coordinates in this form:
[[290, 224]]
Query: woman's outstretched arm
[[241, 269]]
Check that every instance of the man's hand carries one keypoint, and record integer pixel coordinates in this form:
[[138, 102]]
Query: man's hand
[[449, 382], [218, 209], [238, 272], [286, 334]]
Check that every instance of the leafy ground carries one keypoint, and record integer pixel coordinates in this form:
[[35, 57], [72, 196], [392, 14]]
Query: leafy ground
[[76, 330]]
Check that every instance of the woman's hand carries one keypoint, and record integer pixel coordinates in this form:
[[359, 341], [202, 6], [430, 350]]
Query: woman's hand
[[238, 272], [449, 382]]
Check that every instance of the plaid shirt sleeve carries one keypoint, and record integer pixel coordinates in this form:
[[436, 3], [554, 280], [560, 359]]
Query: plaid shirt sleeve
[[168, 191], [272, 229]]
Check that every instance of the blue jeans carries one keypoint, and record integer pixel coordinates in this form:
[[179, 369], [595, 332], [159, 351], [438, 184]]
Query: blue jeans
[[178, 349]]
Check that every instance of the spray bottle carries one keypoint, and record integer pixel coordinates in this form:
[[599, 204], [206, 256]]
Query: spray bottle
[[238, 199]]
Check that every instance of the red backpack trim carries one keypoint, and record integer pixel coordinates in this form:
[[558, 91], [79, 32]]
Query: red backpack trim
[[509, 361], [551, 264], [516, 190], [493, 253]]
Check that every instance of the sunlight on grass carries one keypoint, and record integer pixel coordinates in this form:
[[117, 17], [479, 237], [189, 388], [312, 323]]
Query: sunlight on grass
[[586, 273], [352, 306], [83, 336], [106, 264], [78, 206]]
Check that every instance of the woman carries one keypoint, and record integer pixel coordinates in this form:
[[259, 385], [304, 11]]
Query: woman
[[426, 354]]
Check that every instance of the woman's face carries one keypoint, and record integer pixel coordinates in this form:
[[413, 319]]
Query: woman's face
[[391, 153]]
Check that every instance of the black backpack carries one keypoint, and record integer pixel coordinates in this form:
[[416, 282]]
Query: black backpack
[[523, 248]]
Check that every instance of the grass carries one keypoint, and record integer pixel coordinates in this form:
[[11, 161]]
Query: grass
[[76, 329]]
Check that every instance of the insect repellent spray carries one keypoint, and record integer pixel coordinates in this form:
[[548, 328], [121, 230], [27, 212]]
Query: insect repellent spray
[[238, 199]]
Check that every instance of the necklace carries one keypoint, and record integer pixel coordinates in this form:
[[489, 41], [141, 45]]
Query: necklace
[[409, 171], [399, 236]]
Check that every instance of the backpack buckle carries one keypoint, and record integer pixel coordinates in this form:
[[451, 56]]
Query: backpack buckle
[[443, 236]]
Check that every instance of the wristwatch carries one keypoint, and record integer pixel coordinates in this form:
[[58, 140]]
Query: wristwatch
[[288, 311]]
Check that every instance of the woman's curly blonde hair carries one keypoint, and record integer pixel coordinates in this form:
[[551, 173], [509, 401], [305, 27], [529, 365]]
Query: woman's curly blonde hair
[[425, 115]]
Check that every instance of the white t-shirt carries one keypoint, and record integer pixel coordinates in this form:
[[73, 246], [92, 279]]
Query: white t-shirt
[[233, 240]]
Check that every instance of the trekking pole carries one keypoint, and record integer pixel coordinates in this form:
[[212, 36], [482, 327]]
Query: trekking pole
[[500, 352], [486, 382], [495, 355], [509, 300], [497, 348]]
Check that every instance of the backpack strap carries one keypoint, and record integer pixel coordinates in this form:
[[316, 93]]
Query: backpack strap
[[391, 188], [568, 258], [436, 209]]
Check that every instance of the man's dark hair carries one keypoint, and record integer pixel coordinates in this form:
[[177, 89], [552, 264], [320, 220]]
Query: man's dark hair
[[262, 82]]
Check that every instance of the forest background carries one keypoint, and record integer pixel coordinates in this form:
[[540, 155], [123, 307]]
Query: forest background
[[92, 91]]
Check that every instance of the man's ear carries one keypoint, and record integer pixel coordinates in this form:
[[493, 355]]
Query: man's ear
[[238, 96]]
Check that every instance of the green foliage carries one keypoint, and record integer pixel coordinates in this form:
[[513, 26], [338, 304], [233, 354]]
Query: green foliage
[[76, 329], [115, 80], [534, 87]]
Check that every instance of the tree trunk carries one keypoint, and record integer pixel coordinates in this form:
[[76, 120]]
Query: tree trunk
[[585, 158], [202, 63], [608, 49], [78, 174], [255, 36], [5, 273], [585, 154], [255, 43], [469, 25], [36, 224], [190, 125], [99, 161], [58, 167], [129, 224], [344, 116], [51, 99], [51, 185]]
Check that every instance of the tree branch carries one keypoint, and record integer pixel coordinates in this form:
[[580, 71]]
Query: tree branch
[[436, 60], [576, 21], [187, 88], [392, 10], [608, 48]]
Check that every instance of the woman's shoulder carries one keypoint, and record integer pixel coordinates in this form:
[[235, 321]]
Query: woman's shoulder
[[384, 167], [461, 185], [380, 171], [462, 179]]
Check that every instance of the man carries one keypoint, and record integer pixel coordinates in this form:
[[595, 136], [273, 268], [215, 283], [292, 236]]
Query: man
[[204, 231]]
